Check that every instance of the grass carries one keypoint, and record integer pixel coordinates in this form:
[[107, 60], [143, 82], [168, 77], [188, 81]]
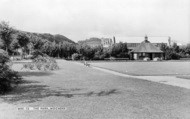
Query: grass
[[34, 73], [35, 92], [89, 93], [147, 68], [184, 77]]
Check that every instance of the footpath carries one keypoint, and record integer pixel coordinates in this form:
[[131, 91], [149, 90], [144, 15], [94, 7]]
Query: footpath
[[169, 80]]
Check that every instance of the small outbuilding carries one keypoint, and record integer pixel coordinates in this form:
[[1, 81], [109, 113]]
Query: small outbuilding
[[146, 50]]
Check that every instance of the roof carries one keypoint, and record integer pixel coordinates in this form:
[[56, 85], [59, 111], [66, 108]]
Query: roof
[[146, 47]]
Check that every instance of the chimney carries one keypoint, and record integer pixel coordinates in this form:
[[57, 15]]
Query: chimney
[[169, 41], [146, 38]]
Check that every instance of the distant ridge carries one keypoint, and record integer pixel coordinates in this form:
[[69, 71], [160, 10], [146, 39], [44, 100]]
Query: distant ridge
[[57, 38], [47, 36]]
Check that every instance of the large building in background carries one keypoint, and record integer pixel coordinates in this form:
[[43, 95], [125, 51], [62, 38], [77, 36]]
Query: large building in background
[[107, 42], [95, 42]]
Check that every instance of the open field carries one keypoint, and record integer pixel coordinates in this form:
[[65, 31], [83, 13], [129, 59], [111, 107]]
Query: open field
[[87, 93], [147, 68]]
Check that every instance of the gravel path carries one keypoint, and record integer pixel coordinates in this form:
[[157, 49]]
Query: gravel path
[[169, 80]]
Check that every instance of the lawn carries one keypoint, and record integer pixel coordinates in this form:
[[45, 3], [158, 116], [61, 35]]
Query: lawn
[[147, 68], [87, 93], [184, 76]]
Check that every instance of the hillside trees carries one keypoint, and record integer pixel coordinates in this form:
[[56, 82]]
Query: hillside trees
[[23, 41], [37, 43], [14, 46], [6, 34]]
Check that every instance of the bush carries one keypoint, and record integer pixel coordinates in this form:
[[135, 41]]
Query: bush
[[42, 63], [37, 53], [76, 56], [4, 58], [8, 78], [173, 55]]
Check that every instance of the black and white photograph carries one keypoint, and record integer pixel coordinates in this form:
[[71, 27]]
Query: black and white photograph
[[94, 59]]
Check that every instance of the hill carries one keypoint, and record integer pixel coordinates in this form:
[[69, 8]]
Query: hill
[[57, 38]]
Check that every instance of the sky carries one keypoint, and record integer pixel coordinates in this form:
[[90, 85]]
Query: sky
[[127, 20]]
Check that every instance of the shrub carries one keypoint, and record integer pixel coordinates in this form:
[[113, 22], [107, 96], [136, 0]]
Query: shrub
[[8, 78], [4, 58], [175, 56], [76, 56], [37, 53], [42, 63]]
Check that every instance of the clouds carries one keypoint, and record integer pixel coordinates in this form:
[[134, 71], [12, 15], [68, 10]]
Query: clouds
[[81, 19]]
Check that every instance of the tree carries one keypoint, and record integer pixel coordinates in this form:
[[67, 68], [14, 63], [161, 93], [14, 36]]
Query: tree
[[187, 49], [37, 43], [86, 51], [14, 46], [23, 41], [6, 33], [47, 48], [170, 52], [176, 48], [100, 53], [163, 47], [119, 50], [1, 43], [8, 77]]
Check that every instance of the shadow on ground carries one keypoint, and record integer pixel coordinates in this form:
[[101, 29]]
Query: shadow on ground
[[29, 73], [28, 82], [32, 91]]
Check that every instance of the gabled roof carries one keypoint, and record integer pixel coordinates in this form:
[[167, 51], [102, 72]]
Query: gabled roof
[[146, 47]]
